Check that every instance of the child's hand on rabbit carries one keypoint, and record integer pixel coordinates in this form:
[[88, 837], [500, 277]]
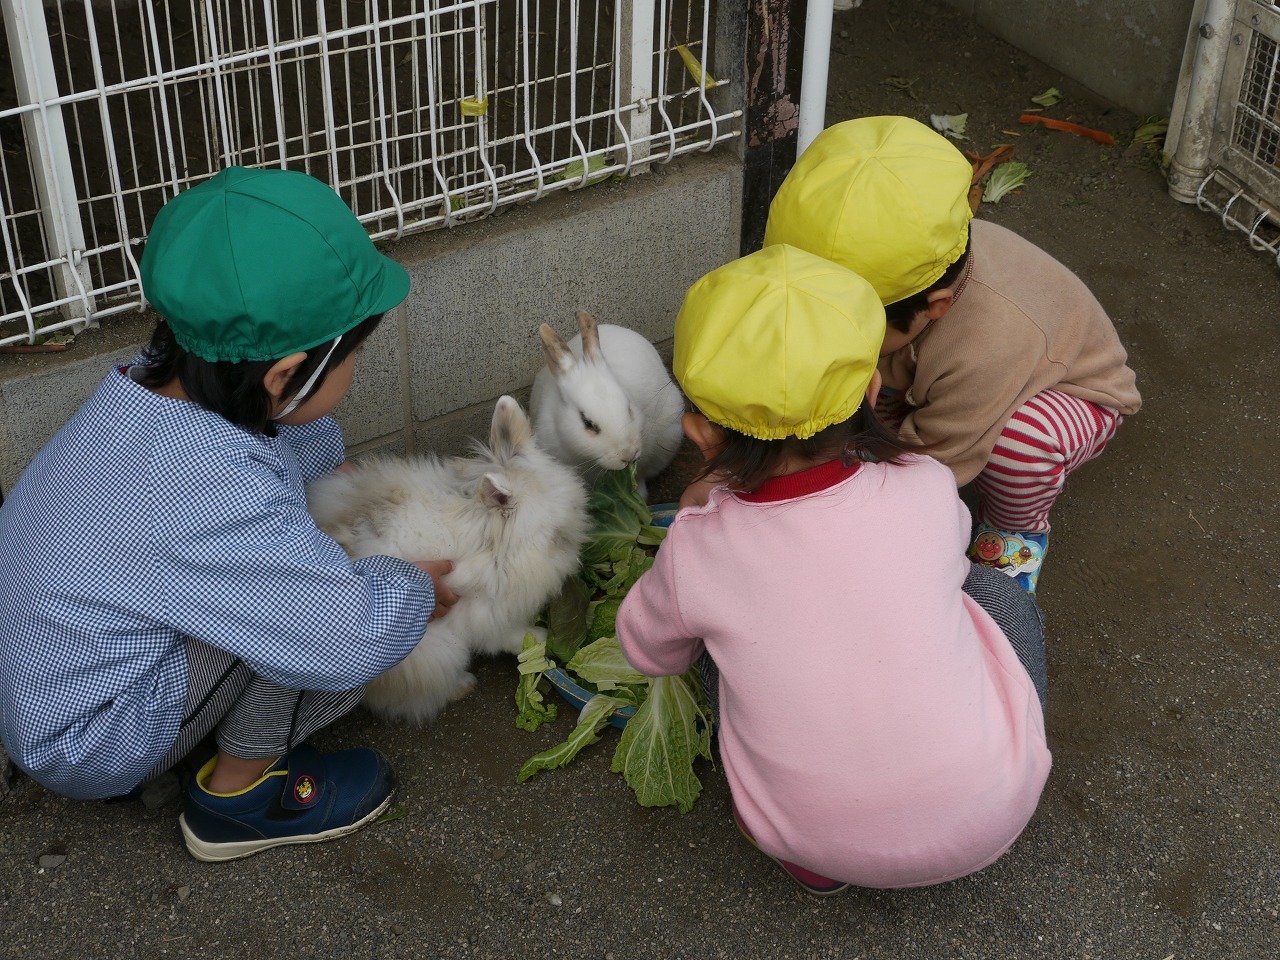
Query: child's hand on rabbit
[[436, 570]]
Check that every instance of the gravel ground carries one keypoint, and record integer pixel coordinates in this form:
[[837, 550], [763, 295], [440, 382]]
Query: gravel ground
[[1157, 835]]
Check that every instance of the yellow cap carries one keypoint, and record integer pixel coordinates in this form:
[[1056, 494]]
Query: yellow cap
[[779, 343], [887, 197]]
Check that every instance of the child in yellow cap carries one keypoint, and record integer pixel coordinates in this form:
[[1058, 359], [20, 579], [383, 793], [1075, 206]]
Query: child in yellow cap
[[996, 356], [878, 697], [160, 576]]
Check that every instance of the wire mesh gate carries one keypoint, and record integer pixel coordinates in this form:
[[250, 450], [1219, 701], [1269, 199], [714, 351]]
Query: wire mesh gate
[[422, 113], [1229, 142]]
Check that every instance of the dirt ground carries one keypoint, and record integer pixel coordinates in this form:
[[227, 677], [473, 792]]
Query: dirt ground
[[1157, 837]]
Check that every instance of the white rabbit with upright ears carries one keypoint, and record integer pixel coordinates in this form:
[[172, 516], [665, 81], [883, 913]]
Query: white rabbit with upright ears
[[604, 400], [511, 517]]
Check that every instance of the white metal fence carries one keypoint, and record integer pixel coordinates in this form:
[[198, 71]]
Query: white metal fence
[[422, 113], [1225, 141]]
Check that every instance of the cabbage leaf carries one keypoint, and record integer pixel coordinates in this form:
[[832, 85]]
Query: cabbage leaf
[[532, 710], [671, 727], [1007, 176], [595, 714]]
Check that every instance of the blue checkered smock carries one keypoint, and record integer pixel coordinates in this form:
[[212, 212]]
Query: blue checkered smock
[[146, 520]]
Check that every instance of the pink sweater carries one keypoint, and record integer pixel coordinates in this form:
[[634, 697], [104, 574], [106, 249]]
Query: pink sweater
[[876, 726]]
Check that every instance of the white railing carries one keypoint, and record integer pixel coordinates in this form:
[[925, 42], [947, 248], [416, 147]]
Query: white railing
[[1224, 137], [421, 113]]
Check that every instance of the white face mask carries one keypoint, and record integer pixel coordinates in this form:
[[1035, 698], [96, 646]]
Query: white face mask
[[301, 395]]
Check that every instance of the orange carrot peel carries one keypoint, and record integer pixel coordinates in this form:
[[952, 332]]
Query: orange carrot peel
[[982, 165], [1065, 126]]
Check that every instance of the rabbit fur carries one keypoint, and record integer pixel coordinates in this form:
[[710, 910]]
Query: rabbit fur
[[512, 518], [605, 399]]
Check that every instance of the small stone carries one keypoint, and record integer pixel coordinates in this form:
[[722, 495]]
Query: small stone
[[50, 860], [553, 899], [184, 892], [397, 928], [499, 853]]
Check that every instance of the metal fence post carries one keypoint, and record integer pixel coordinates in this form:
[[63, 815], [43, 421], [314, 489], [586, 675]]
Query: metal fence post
[[635, 76], [46, 138], [775, 37]]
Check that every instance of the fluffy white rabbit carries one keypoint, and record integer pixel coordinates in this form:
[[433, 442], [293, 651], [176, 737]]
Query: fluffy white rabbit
[[605, 399], [511, 517]]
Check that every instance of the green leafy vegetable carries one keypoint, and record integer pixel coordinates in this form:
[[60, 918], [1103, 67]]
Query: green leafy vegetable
[[1048, 98], [1152, 130], [532, 710], [567, 618], [394, 812], [659, 744], [595, 714], [603, 665], [672, 723], [575, 170], [1007, 176]]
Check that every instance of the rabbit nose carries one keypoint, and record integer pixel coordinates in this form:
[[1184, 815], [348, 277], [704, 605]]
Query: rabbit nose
[[632, 456]]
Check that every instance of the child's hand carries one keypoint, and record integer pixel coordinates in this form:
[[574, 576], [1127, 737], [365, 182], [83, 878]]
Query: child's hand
[[436, 570], [346, 466], [696, 494]]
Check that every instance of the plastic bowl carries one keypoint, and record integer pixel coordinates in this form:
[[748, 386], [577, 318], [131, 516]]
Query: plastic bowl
[[578, 696], [663, 513]]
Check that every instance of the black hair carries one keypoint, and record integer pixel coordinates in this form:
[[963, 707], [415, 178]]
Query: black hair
[[233, 388], [746, 462], [902, 314]]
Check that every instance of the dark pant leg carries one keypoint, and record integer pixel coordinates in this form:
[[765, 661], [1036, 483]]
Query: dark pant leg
[[1018, 617], [253, 717]]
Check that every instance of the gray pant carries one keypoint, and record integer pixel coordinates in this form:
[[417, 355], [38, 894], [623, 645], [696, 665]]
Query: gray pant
[[1012, 608], [253, 717], [1018, 617]]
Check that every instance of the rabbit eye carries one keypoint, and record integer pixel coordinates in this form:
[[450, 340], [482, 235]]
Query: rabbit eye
[[591, 427]]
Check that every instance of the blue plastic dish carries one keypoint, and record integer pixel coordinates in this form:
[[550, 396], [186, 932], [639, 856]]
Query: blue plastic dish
[[663, 513], [578, 696]]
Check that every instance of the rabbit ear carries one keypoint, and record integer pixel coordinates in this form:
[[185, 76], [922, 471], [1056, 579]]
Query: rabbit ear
[[590, 336], [560, 358], [510, 432], [494, 492]]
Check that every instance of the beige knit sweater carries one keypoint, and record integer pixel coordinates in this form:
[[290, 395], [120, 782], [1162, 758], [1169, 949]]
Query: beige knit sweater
[[1023, 323]]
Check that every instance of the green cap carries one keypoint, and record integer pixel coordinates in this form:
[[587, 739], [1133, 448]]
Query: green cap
[[258, 264]]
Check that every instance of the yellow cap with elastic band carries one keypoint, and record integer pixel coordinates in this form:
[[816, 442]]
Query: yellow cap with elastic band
[[887, 197], [779, 343]]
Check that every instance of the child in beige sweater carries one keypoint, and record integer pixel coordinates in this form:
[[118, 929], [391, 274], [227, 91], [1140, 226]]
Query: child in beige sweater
[[996, 355]]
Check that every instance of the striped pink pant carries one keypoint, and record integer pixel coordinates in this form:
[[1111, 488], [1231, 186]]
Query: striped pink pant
[[1045, 439]]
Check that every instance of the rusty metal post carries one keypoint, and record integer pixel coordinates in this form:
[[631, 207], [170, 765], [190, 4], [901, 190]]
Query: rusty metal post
[[775, 44]]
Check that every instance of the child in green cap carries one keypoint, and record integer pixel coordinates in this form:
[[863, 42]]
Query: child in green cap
[[879, 699], [997, 356], [160, 577]]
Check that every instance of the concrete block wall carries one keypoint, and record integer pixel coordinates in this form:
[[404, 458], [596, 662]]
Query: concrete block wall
[[1129, 51], [429, 376]]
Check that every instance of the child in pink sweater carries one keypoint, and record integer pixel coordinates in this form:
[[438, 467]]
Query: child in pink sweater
[[879, 724], [996, 355]]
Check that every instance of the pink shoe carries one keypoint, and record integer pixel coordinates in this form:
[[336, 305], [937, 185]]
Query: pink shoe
[[814, 883]]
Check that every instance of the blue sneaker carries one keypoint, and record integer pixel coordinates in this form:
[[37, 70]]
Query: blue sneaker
[[304, 797], [1019, 555]]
